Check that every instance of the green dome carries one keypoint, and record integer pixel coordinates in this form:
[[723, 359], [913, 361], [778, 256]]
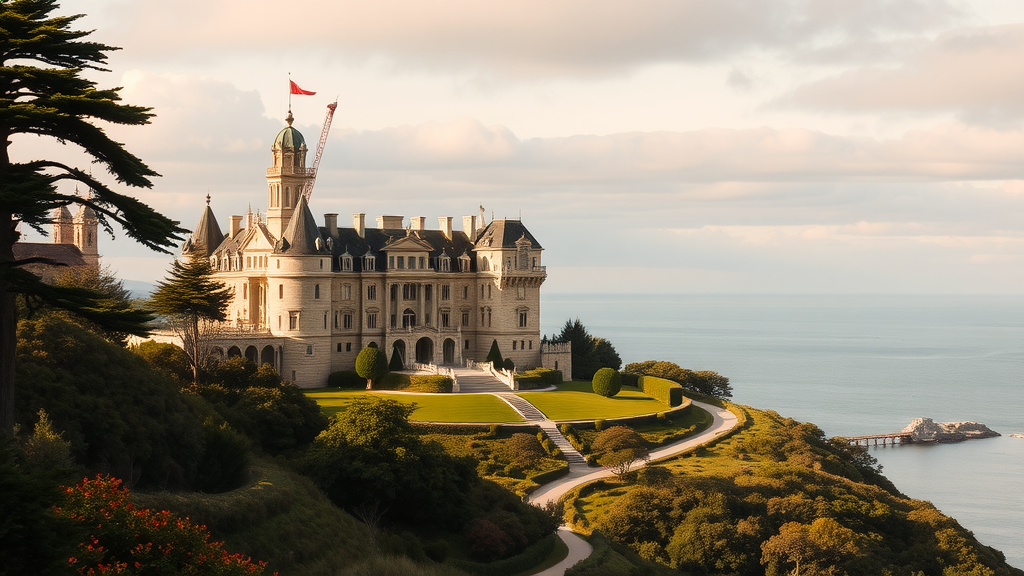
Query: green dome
[[289, 138]]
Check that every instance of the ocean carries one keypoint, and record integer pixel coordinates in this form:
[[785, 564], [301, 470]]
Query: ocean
[[859, 364]]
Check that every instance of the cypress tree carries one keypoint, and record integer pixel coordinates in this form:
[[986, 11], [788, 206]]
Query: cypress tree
[[193, 302], [494, 356], [43, 92]]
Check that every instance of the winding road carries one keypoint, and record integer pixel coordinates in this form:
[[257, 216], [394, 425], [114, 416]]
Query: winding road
[[580, 473]]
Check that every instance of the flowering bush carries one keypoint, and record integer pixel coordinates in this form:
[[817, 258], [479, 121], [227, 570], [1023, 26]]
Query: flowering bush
[[127, 540]]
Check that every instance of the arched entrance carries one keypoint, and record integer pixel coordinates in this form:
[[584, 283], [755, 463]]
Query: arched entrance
[[398, 349], [252, 354], [425, 350], [267, 355], [448, 350], [234, 351], [217, 353]]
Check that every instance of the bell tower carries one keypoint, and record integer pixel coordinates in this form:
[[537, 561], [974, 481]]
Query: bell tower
[[86, 228], [286, 178]]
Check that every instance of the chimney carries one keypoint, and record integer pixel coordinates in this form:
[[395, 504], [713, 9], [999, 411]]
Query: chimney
[[419, 222], [469, 227], [445, 222], [359, 223], [236, 226], [331, 223], [390, 222]]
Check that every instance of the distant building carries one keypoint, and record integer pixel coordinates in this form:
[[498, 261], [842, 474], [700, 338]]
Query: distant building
[[74, 244], [309, 297]]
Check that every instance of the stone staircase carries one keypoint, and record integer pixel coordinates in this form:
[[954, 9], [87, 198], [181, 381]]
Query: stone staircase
[[532, 414], [477, 381]]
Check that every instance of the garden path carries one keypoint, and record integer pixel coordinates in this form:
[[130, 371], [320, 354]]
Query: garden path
[[533, 415], [723, 422], [476, 381]]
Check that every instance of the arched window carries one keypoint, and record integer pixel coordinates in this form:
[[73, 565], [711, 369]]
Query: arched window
[[408, 318], [316, 293], [280, 291], [445, 263]]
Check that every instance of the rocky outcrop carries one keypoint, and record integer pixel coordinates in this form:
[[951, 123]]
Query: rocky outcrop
[[927, 430]]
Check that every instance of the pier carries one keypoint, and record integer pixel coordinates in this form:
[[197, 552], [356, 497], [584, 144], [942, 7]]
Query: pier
[[873, 439]]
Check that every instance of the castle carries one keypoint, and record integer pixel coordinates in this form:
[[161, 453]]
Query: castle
[[308, 297], [74, 244]]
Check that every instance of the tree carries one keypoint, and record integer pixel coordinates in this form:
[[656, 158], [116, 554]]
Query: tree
[[372, 364], [194, 303], [588, 353], [619, 448], [705, 381], [167, 358], [494, 356], [607, 357], [607, 382], [43, 92]]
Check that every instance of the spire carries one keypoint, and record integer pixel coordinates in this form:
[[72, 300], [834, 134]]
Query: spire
[[302, 237], [289, 118], [207, 235]]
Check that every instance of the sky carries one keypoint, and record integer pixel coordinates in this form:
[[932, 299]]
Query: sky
[[651, 146]]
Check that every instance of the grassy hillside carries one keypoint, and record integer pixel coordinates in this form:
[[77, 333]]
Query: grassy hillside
[[774, 495], [279, 517]]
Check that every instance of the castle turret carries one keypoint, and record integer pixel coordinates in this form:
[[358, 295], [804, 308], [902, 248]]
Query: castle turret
[[287, 178], [85, 226], [63, 229], [207, 236]]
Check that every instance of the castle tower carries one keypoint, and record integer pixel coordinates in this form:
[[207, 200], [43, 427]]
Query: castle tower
[[86, 228], [287, 178], [63, 231]]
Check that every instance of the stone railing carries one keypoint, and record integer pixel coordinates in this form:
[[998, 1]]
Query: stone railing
[[504, 376]]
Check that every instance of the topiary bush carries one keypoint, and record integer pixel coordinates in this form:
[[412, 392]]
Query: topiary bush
[[371, 364], [508, 364], [346, 379], [494, 356], [607, 382], [663, 390]]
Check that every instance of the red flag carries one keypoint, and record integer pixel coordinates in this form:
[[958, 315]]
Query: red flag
[[297, 90]]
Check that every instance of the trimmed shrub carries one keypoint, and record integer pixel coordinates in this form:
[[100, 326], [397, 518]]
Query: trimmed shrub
[[538, 378], [607, 382], [663, 390], [346, 379], [225, 462], [630, 379], [599, 425], [494, 356], [508, 364], [416, 382], [371, 363]]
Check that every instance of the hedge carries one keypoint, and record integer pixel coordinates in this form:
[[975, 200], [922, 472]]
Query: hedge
[[346, 379], [542, 478], [533, 555], [538, 378], [663, 390], [630, 379], [415, 382]]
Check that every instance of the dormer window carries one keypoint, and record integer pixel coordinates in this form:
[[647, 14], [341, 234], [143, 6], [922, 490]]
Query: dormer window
[[464, 263], [346, 263], [369, 263], [445, 263]]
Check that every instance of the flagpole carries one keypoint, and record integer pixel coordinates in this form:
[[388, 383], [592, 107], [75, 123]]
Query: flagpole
[[289, 91]]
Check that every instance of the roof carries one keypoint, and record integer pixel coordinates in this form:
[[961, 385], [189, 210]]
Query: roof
[[302, 237], [505, 234], [60, 254], [289, 138], [62, 213], [207, 235], [376, 240], [85, 213]]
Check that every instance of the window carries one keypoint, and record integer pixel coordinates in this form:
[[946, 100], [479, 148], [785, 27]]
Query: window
[[325, 320], [394, 320], [339, 346], [481, 291], [346, 292], [426, 318], [369, 263], [371, 292], [309, 349], [321, 263], [446, 292], [245, 290], [346, 320], [521, 292], [348, 346], [293, 320], [278, 322], [428, 292], [280, 291], [248, 262], [467, 344], [514, 344], [316, 292], [488, 317], [423, 262], [412, 262], [531, 344], [401, 262], [465, 319], [446, 263], [408, 291], [445, 319], [394, 292], [408, 318], [371, 319], [464, 263], [465, 292], [346, 263], [336, 322], [488, 291], [522, 318]]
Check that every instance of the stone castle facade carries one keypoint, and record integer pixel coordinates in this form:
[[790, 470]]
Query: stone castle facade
[[75, 244], [308, 295]]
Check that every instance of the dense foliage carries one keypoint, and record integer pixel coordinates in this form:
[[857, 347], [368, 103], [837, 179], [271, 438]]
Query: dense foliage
[[118, 413], [778, 495], [44, 91], [494, 356], [619, 448], [371, 364], [346, 379], [126, 540], [703, 381], [588, 352], [167, 358], [276, 415], [607, 382]]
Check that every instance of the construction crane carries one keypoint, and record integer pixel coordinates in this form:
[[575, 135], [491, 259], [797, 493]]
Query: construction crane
[[319, 150]]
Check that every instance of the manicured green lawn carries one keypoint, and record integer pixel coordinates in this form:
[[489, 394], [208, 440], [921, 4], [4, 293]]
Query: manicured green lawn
[[431, 407], [576, 401]]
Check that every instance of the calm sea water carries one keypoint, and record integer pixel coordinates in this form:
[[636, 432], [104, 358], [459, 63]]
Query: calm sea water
[[856, 365]]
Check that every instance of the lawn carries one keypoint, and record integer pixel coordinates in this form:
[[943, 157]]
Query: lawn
[[576, 401], [431, 407]]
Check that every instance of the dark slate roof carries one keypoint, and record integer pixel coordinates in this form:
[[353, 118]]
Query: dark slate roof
[[377, 239], [207, 235], [62, 254], [504, 234], [300, 238]]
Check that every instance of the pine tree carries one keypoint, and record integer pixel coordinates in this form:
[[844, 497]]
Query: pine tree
[[43, 92], [194, 303], [494, 356]]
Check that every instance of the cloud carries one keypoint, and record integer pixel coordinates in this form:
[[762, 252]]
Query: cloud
[[531, 38], [975, 73]]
